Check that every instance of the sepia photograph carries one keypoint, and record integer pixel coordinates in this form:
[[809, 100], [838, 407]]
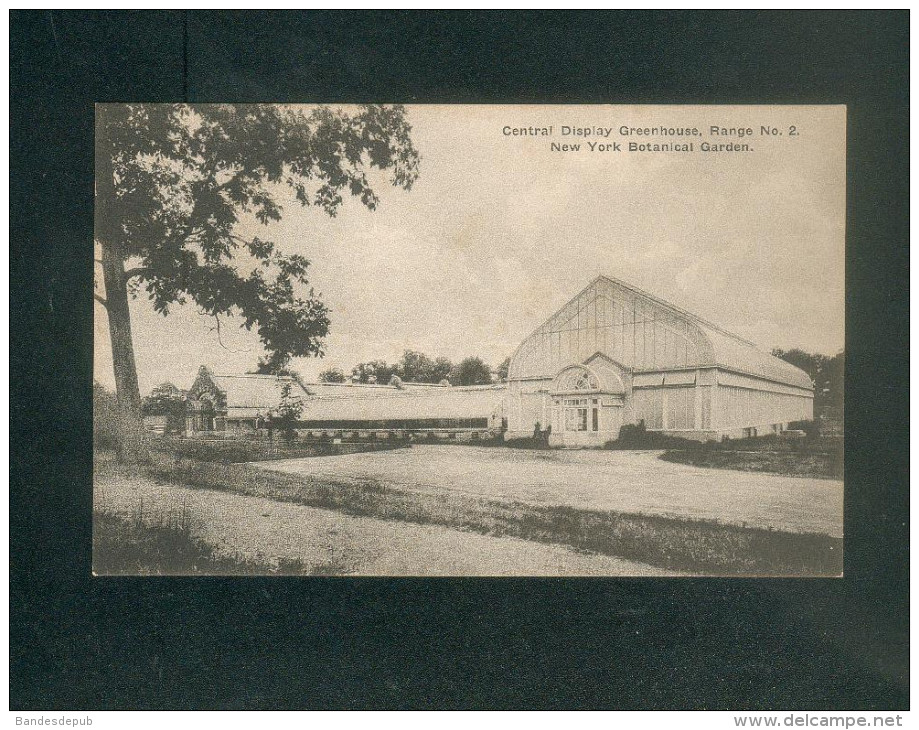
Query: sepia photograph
[[469, 340], [457, 360]]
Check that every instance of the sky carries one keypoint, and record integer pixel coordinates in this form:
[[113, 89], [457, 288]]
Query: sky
[[500, 230]]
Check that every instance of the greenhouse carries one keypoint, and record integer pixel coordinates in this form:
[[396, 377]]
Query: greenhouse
[[616, 355]]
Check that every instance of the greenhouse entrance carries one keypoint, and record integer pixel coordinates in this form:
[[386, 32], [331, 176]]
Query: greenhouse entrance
[[586, 410]]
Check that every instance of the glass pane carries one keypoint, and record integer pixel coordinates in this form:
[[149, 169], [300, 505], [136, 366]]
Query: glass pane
[[571, 419]]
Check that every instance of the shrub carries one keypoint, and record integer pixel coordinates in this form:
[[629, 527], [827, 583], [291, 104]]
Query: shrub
[[633, 433], [811, 428], [288, 413], [115, 429], [166, 400], [637, 436]]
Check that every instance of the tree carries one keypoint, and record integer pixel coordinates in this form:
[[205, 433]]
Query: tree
[[172, 182], [106, 418], [812, 364], [379, 370], [441, 370], [503, 369], [413, 367], [828, 374], [114, 428], [265, 366], [471, 371], [287, 414], [166, 400], [332, 375], [835, 381], [416, 367]]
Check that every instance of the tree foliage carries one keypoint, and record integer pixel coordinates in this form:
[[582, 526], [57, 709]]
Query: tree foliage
[[441, 370], [174, 181], [470, 371], [413, 367], [416, 367], [166, 400], [266, 366], [503, 369], [828, 374], [288, 411], [332, 375], [106, 418], [375, 371]]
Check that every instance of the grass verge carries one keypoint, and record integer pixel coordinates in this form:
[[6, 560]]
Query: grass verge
[[241, 450], [129, 545]]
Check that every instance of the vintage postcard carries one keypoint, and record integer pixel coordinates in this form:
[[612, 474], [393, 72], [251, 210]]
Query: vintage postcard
[[448, 340]]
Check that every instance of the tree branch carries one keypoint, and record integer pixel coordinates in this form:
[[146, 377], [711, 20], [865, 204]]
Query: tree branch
[[238, 176], [219, 338], [100, 300], [131, 273], [239, 239], [186, 233]]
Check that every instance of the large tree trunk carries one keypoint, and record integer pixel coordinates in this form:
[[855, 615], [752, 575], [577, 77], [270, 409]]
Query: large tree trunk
[[108, 233], [119, 324]]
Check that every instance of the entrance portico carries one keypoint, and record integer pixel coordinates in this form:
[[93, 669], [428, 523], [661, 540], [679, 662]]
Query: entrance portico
[[587, 404]]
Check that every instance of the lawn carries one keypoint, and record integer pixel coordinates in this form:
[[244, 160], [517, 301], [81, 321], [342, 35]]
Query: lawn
[[680, 543], [628, 482]]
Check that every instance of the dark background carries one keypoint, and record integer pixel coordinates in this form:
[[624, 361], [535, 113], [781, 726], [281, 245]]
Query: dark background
[[83, 643]]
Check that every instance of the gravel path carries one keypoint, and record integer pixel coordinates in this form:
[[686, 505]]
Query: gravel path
[[625, 481], [263, 530]]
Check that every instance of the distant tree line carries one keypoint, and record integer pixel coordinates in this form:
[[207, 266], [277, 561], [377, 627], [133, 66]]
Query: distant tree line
[[416, 367], [828, 374]]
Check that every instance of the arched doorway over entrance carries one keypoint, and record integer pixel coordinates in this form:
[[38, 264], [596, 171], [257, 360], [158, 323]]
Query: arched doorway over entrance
[[587, 404]]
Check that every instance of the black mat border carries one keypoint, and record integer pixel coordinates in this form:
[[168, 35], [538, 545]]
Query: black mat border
[[80, 643]]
